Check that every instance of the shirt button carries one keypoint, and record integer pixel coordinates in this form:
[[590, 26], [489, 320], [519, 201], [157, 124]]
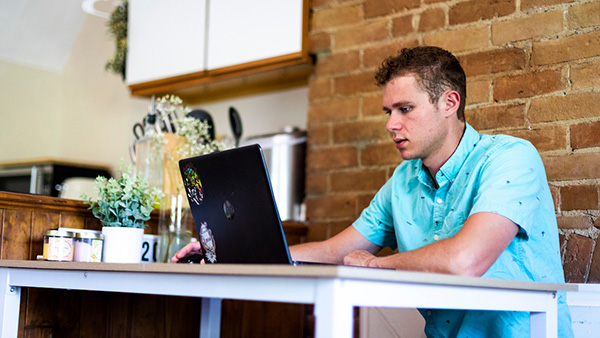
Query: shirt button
[[429, 313], [436, 237], [439, 200]]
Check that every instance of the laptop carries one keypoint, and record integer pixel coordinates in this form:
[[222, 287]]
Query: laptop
[[233, 207]]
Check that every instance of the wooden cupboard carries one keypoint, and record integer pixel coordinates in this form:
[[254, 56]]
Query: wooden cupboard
[[73, 313]]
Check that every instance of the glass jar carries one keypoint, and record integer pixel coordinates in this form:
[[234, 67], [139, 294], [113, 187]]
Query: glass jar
[[58, 245], [88, 246]]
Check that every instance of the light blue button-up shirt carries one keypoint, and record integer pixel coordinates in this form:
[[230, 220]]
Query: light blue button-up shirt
[[499, 174]]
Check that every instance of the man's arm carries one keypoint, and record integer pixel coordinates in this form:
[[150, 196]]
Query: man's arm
[[471, 251], [333, 249]]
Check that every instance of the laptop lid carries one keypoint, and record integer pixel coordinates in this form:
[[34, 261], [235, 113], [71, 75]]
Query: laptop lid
[[233, 207]]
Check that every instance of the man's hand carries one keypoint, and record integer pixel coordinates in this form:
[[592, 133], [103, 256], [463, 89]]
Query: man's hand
[[358, 258], [193, 247]]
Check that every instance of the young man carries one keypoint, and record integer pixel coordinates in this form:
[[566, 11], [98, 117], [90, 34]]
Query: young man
[[460, 203]]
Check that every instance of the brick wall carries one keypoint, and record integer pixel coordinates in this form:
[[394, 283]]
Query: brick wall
[[532, 71]]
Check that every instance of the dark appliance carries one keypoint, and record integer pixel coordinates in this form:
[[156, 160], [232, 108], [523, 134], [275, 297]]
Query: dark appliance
[[44, 178]]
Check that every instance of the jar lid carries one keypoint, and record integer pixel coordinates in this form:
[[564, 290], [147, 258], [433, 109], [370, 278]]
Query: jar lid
[[86, 234], [58, 232]]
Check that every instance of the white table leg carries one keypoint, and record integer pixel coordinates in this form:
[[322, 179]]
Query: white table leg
[[545, 324], [333, 314], [210, 318], [10, 301]]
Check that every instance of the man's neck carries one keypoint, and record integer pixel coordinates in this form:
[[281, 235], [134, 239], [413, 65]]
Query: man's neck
[[453, 140]]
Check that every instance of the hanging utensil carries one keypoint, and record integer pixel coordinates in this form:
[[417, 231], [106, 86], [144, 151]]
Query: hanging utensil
[[236, 125]]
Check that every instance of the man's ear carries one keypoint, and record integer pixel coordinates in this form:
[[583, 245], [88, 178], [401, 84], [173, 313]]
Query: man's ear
[[451, 100]]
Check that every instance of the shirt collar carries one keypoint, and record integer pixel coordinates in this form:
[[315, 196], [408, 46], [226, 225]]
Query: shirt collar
[[450, 169]]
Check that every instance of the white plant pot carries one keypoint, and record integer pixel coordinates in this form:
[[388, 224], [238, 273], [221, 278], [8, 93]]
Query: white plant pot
[[122, 245]]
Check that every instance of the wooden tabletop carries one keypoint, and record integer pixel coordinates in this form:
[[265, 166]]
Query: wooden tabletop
[[308, 271]]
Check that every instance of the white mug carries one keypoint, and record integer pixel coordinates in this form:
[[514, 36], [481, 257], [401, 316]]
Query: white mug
[[149, 248]]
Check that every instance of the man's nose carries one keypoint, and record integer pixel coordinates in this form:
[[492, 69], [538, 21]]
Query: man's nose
[[393, 123]]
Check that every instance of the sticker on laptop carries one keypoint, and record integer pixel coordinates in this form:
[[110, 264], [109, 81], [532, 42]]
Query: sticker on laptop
[[193, 186], [207, 240]]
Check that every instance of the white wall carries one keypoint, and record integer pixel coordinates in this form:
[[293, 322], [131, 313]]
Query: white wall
[[85, 114]]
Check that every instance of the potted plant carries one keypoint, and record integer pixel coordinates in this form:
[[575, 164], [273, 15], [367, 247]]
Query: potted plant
[[123, 207]]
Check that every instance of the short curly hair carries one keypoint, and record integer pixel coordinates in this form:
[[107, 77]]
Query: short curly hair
[[436, 70]]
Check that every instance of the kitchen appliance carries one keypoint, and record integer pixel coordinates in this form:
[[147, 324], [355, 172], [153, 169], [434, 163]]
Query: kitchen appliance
[[44, 178], [284, 154]]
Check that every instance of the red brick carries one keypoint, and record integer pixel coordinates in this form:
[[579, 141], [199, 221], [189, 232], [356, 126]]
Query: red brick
[[320, 88], [332, 158], [573, 222], [579, 197], [380, 154], [355, 83], [529, 4], [594, 274], [463, 39], [585, 75], [559, 108], [585, 135], [337, 63], [367, 32], [575, 47], [365, 199], [363, 180], [478, 91], [475, 10], [316, 183], [572, 167], [373, 105], [539, 25], [496, 116], [584, 15], [432, 19], [319, 135], [577, 258], [495, 61], [527, 85], [375, 8], [359, 131], [335, 17], [374, 56], [333, 110], [402, 25], [319, 42], [331, 206], [545, 138]]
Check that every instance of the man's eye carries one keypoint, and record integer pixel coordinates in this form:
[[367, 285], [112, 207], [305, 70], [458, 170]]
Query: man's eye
[[404, 109], [387, 112]]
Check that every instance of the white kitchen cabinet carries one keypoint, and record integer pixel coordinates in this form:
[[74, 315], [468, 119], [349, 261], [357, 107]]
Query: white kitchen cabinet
[[241, 31], [200, 49], [165, 39]]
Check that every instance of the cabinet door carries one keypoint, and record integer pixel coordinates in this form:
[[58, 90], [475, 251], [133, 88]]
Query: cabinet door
[[165, 39], [241, 31]]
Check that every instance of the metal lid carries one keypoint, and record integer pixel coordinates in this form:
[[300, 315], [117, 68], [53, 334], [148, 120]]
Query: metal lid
[[58, 232], [87, 234]]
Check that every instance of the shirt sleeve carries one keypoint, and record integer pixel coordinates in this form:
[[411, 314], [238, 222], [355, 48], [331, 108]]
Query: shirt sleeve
[[375, 222], [513, 184]]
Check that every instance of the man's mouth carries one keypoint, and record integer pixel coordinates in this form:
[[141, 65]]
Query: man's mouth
[[400, 142]]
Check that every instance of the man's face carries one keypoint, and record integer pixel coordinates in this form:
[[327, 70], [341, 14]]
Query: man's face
[[416, 125]]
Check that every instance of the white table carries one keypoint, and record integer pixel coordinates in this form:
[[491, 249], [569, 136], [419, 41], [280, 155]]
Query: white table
[[334, 290]]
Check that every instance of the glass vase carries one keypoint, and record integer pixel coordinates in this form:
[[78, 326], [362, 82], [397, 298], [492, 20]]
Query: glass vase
[[175, 226], [175, 222]]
